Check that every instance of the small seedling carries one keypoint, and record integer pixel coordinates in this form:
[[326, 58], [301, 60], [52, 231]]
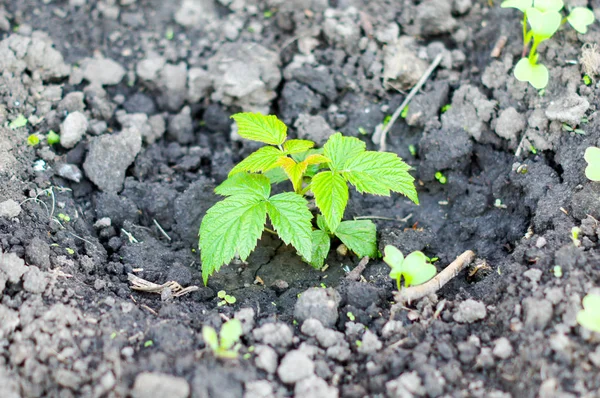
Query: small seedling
[[63, 217], [351, 316], [575, 231], [148, 343], [268, 14], [386, 120], [587, 80], [589, 316], [233, 226], [225, 344], [20, 121], [404, 112], [440, 177], [446, 108], [362, 131], [225, 298], [544, 18], [413, 150], [557, 270], [70, 251], [592, 157], [414, 268], [33, 140], [52, 138], [169, 34]]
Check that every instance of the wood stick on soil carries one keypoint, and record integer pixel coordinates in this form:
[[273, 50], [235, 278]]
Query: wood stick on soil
[[497, 50], [407, 100], [413, 293], [355, 274]]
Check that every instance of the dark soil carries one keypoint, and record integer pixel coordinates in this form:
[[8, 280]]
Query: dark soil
[[70, 323]]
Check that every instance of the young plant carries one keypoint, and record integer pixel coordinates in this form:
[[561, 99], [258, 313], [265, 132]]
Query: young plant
[[234, 225], [592, 157], [225, 344], [589, 316], [225, 298], [414, 268], [544, 18]]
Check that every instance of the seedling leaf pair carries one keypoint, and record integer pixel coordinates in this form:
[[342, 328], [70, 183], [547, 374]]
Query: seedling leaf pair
[[414, 268], [589, 316], [592, 157], [233, 226], [222, 345]]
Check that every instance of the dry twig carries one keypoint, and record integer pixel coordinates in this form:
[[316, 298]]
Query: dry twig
[[150, 287], [413, 293], [356, 273], [407, 100]]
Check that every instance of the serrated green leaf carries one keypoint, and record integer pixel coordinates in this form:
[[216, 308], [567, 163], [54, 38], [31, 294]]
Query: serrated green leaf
[[293, 170], [378, 173], [232, 226], [255, 185], [262, 128], [321, 243], [276, 175], [548, 5], [297, 146], [291, 219], [264, 159], [340, 149], [230, 334], [580, 18], [209, 335], [299, 157], [316, 159], [518, 4], [331, 196], [589, 316], [543, 24], [360, 236]]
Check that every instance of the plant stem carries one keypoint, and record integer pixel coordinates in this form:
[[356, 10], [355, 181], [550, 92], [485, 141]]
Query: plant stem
[[398, 285], [533, 52], [270, 231]]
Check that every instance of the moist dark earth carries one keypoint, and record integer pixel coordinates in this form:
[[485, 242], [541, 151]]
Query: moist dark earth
[[141, 91]]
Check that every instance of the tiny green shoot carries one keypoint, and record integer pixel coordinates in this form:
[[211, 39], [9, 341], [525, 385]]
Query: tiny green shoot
[[268, 14], [52, 138], [575, 231], [20, 121], [169, 34], [446, 108], [587, 80], [362, 131], [541, 19], [33, 140], [70, 251], [225, 344], [440, 177], [589, 316], [64, 217], [113, 335], [592, 157], [414, 268], [148, 343], [386, 120], [358, 343], [225, 298], [404, 112], [413, 150], [557, 271], [350, 316]]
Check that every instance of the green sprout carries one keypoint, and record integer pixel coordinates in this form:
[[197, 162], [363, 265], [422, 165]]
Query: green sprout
[[413, 150], [587, 80], [233, 226], [169, 34], [358, 343], [148, 343], [52, 138], [20, 121], [64, 217], [225, 344], [404, 112], [70, 251], [33, 140], [575, 231], [544, 18], [557, 271], [350, 316], [592, 157], [589, 316], [386, 120], [440, 177], [225, 298], [446, 108], [362, 131], [268, 14], [414, 268]]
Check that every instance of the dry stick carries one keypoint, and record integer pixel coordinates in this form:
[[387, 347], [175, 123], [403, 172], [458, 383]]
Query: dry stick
[[497, 50], [162, 231], [355, 274], [409, 294], [406, 101]]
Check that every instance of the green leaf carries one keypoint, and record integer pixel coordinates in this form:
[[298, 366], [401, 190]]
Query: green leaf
[[209, 335], [360, 236], [548, 5], [589, 316], [536, 75], [378, 173], [295, 171], [264, 159], [543, 24], [232, 226], [33, 140], [331, 196], [230, 334], [258, 127], [254, 185], [322, 224], [321, 243], [340, 149], [592, 157], [20, 121], [276, 175], [414, 268], [580, 18], [297, 146], [291, 218], [53, 138], [394, 258], [518, 4]]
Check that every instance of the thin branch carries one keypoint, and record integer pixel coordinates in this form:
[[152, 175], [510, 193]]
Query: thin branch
[[407, 100], [356, 273], [413, 293]]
